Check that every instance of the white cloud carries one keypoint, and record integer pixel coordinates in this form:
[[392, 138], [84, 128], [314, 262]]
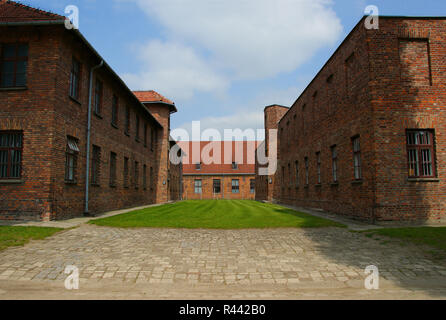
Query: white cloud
[[175, 70], [252, 38]]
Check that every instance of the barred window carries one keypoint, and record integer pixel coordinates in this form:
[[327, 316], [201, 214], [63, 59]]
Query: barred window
[[136, 174], [13, 65], [144, 177], [217, 186], [198, 186], [307, 171], [71, 159], [297, 173], [126, 172], [115, 103], [235, 186], [334, 163], [127, 120], [75, 76], [319, 173], [11, 148], [95, 165], [98, 97], [420, 153], [357, 158], [137, 128], [113, 158], [253, 186]]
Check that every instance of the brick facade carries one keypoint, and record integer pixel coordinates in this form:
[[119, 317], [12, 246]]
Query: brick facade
[[47, 116], [220, 168], [378, 85]]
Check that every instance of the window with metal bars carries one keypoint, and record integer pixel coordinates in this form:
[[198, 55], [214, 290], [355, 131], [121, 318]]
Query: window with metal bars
[[296, 164], [252, 186], [318, 168], [13, 65], [95, 165], [11, 149], [420, 153], [334, 163], [113, 158], [144, 177], [357, 158], [198, 186], [307, 171], [217, 186], [126, 172], [75, 76], [136, 174], [235, 186], [72, 153], [115, 104], [98, 93], [127, 120]]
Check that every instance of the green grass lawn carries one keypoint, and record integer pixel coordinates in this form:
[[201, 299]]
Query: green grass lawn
[[216, 214], [432, 236], [18, 236]]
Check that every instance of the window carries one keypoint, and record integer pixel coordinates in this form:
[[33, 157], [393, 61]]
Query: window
[[145, 134], [98, 97], [297, 173], [14, 62], [334, 163], [115, 104], [126, 172], [307, 171], [289, 175], [127, 120], [198, 166], [420, 153], [75, 79], [217, 186], [235, 186], [144, 177], [252, 186], [318, 161], [151, 178], [136, 174], [71, 155], [357, 158], [11, 144], [152, 139], [95, 165], [137, 128], [234, 165], [198, 186], [113, 158]]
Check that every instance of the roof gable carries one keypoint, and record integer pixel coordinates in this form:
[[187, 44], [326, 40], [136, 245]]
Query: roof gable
[[11, 11]]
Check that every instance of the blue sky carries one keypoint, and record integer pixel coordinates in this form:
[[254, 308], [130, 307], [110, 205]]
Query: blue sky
[[223, 61]]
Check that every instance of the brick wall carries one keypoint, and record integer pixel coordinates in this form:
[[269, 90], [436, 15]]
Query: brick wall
[[226, 187]]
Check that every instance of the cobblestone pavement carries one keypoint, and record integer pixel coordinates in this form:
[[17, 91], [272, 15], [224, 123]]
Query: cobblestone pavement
[[213, 264]]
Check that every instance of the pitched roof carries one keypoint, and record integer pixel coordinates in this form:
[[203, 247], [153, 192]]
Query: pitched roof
[[152, 96], [11, 11], [241, 152]]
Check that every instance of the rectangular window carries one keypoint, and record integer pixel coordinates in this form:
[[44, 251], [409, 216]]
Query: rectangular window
[[144, 177], [235, 186], [145, 134], [420, 153], [234, 165], [113, 158], [198, 186], [357, 158], [75, 76], [126, 172], [297, 173], [334, 163], [127, 120], [72, 152], [319, 173], [252, 186], [115, 105], [152, 139], [198, 166], [95, 165], [289, 175], [307, 171], [136, 174], [217, 186], [98, 97], [151, 178], [11, 148], [137, 128], [13, 65]]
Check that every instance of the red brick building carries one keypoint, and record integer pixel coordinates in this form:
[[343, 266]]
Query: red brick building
[[367, 137], [219, 170], [50, 77]]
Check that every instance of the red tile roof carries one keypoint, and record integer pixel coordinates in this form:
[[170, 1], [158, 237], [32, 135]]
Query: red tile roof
[[151, 96], [11, 11], [242, 152]]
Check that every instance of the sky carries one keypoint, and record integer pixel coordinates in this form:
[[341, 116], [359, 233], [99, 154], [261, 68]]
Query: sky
[[223, 61]]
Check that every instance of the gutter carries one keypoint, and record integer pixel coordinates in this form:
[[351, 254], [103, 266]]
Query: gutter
[[87, 170]]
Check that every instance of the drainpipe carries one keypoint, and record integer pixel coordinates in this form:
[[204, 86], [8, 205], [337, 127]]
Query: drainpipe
[[87, 170]]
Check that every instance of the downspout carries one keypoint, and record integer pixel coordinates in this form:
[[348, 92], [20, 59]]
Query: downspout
[[87, 166]]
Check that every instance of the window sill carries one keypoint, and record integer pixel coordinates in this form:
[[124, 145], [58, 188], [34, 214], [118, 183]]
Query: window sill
[[113, 186], [114, 126], [11, 181], [95, 185], [356, 182], [13, 88], [334, 184], [98, 115], [307, 186], [423, 180], [127, 134], [137, 140], [75, 100], [71, 182], [319, 185]]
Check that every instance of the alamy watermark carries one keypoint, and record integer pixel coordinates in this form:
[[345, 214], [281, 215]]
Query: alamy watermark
[[72, 281], [371, 282], [72, 18], [372, 20]]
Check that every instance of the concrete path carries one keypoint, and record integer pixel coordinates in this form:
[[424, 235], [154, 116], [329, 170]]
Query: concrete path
[[325, 263]]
